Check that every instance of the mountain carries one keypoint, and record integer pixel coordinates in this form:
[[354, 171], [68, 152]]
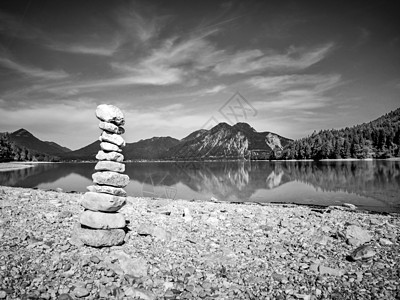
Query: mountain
[[194, 135], [153, 148], [24, 138], [85, 153], [221, 142], [228, 142], [61, 148], [150, 149], [377, 139], [21, 145]]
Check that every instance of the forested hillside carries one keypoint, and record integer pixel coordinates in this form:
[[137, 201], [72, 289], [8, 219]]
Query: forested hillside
[[376, 139], [9, 151]]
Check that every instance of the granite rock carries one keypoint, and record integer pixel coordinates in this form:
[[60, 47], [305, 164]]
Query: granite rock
[[108, 147], [107, 190], [102, 202], [112, 128], [112, 156], [99, 237], [155, 231], [362, 252], [111, 178], [133, 266], [106, 165], [111, 114], [115, 139], [101, 220], [356, 236]]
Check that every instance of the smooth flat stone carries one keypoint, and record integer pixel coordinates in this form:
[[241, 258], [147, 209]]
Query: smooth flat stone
[[363, 252], [102, 220], [108, 147], [111, 128], [98, 237], [112, 138], [112, 156], [107, 189], [111, 178], [102, 202], [110, 113], [105, 165]]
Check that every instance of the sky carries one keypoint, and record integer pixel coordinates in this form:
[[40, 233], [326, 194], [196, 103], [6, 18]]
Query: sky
[[173, 67]]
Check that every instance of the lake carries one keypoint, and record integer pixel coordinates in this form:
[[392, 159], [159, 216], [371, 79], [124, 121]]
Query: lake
[[372, 185]]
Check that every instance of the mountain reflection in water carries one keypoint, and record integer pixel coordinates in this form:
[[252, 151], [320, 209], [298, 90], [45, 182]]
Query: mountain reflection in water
[[372, 184]]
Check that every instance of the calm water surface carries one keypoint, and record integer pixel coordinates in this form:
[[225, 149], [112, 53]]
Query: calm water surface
[[373, 185]]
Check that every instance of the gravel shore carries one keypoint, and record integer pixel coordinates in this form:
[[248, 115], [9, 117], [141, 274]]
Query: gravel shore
[[177, 249]]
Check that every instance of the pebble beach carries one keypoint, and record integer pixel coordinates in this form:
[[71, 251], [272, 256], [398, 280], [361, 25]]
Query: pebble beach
[[177, 249]]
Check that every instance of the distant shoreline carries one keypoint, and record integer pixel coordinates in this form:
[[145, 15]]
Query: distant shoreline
[[4, 167], [19, 165]]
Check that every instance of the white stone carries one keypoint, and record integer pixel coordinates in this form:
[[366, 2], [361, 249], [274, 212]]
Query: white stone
[[113, 156], [101, 220], [356, 236], [112, 128], [110, 113], [98, 237], [102, 202], [107, 190], [108, 147], [106, 165], [112, 138], [135, 267], [111, 178]]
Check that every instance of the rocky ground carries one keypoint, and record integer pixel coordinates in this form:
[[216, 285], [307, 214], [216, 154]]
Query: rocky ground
[[177, 249]]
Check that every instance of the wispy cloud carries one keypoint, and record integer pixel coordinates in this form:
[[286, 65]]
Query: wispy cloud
[[255, 60], [138, 26], [32, 71], [173, 62], [282, 83], [101, 49], [214, 90], [295, 91]]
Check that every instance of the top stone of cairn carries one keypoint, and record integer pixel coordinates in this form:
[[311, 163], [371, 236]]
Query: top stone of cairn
[[110, 113]]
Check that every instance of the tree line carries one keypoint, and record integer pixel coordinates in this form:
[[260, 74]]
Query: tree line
[[376, 139], [9, 151]]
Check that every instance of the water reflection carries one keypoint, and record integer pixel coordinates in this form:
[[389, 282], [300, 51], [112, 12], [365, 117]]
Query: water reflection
[[325, 182], [47, 174], [377, 179]]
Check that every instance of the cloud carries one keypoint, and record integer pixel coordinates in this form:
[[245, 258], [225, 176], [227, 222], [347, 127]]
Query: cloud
[[100, 50], [172, 120], [214, 90], [173, 62], [255, 60], [134, 28], [146, 73], [294, 92], [283, 83], [139, 23], [31, 71]]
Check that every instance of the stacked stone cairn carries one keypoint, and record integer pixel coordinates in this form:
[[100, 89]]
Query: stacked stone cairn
[[101, 224]]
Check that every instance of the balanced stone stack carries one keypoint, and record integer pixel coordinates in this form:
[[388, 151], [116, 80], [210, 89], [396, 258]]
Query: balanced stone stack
[[101, 224]]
